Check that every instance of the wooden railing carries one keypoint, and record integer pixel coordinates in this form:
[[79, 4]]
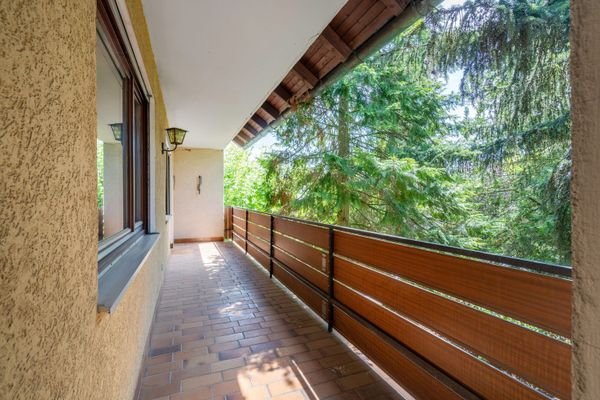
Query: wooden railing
[[446, 323]]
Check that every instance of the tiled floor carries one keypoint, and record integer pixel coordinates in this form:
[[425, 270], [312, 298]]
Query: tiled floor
[[224, 330]]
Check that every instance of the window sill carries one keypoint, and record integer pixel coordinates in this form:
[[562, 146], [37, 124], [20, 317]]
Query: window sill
[[113, 283]]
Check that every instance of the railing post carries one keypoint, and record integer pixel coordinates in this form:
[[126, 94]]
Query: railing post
[[231, 223], [330, 292], [271, 249], [246, 241]]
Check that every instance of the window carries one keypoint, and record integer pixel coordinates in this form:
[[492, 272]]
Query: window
[[122, 143]]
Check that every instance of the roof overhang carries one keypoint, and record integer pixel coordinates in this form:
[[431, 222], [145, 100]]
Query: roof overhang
[[360, 28], [218, 61]]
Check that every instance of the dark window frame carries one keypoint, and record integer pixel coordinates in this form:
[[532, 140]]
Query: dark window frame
[[168, 161], [135, 140]]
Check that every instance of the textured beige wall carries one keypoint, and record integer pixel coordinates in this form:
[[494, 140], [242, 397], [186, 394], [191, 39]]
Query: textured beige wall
[[53, 344], [198, 216], [585, 70]]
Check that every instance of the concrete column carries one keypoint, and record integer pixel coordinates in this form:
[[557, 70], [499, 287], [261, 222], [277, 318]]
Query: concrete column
[[585, 76]]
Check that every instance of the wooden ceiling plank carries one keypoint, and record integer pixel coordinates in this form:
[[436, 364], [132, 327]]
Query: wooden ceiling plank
[[283, 93], [261, 122], [373, 26], [270, 109], [306, 74], [337, 43], [239, 141], [245, 136], [396, 7], [365, 22], [251, 129]]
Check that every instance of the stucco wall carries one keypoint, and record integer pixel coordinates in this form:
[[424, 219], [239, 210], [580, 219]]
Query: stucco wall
[[53, 344], [585, 70], [198, 216]]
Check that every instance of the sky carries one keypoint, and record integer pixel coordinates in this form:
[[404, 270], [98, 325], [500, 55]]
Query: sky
[[267, 141]]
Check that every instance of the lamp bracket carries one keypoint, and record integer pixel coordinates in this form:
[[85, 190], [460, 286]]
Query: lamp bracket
[[166, 149]]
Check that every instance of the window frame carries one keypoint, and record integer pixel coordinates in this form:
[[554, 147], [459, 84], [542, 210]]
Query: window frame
[[168, 160], [113, 247]]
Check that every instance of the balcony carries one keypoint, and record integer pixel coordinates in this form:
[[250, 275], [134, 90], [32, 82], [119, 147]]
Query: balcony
[[442, 322], [99, 298]]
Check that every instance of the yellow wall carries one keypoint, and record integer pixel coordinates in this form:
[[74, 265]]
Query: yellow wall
[[198, 216], [53, 344]]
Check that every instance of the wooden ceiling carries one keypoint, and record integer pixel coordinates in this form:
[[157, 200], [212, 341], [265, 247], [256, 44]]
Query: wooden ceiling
[[356, 22]]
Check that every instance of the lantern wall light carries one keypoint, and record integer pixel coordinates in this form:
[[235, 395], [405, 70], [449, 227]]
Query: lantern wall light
[[117, 130], [176, 136]]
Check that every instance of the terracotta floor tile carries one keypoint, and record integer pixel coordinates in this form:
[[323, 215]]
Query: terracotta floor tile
[[203, 393], [199, 381], [327, 389], [224, 330]]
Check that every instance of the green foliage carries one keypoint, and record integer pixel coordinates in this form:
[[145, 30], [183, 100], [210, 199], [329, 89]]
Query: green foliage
[[383, 149], [243, 179], [385, 180]]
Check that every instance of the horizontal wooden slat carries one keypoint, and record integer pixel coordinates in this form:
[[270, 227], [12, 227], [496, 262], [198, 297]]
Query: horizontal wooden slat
[[312, 275], [239, 240], [261, 244], [258, 255], [257, 230], [404, 369], [312, 234], [240, 213], [313, 257], [541, 300], [239, 230], [309, 296], [535, 357], [488, 381], [259, 219]]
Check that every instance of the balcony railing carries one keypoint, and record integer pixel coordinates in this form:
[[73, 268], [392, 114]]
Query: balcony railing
[[445, 323]]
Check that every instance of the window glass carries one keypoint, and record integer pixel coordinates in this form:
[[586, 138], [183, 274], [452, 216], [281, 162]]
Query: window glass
[[139, 143], [109, 151]]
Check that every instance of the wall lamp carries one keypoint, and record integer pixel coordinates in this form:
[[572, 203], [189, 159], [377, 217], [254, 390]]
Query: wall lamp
[[117, 130], [176, 136]]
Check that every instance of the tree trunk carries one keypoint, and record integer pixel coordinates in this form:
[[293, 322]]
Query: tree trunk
[[343, 151]]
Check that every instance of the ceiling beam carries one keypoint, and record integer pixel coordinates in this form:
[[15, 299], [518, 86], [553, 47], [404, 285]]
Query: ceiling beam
[[261, 122], [304, 73], [395, 6], [239, 140], [245, 135], [283, 93], [270, 109], [250, 130], [338, 44]]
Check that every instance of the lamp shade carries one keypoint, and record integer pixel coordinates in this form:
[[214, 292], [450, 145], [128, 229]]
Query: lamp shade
[[176, 135], [117, 130]]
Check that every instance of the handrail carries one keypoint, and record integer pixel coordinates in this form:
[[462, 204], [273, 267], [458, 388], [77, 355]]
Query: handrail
[[507, 261]]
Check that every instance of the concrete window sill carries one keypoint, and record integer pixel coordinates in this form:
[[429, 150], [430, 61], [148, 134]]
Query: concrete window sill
[[113, 283]]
